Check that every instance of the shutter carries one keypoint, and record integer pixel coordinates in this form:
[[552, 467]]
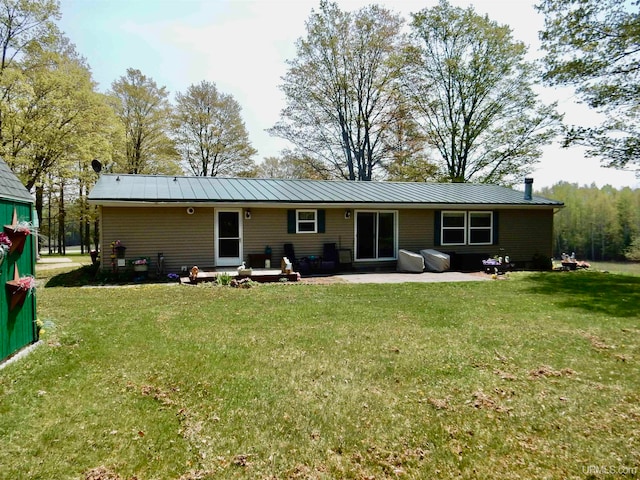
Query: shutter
[[495, 227], [291, 221], [321, 221], [437, 224]]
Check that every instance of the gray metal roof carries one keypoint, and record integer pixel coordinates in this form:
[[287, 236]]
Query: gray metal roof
[[161, 189], [11, 187]]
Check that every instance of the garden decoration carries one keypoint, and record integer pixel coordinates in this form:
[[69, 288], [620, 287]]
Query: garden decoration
[[5, 246], [17, 233], [117, 253], [140, 264], [19, 288]]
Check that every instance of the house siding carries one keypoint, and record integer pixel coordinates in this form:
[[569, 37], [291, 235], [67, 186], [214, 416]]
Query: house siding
[[183, 239], [268, 226], [189, 239], [526, 233]]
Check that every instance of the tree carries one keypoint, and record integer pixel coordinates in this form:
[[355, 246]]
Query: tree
[[340, 90], [291, 166], [25, 25], [209, 132], [594, 46], [409, 162], [53, 118], [144, 110], [596, 223], [471, 91]]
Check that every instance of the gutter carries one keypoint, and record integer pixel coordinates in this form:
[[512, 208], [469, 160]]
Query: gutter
[[360, 205]]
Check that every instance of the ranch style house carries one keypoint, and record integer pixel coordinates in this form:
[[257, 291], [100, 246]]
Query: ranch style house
[[221, 222]]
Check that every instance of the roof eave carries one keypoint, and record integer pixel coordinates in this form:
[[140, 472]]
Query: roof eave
[[342, 204]]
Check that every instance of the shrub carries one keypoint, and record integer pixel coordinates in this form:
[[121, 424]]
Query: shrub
[[632, 252]]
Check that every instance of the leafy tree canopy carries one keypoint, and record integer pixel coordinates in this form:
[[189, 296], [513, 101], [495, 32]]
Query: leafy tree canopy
[[144, 110], [341, 91], [210, 134], [594, 46], [471, 93]]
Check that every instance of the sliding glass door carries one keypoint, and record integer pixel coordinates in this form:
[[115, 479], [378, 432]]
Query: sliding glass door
[[376, 236]]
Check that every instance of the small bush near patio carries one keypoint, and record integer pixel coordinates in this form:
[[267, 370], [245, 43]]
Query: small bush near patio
[[535, 376]]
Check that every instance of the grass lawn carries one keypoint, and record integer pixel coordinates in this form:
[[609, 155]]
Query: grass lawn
[[627, 268], [535, 376]]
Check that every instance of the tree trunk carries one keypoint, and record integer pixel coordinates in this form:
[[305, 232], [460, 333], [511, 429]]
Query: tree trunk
[[62, 247], [82, 218], [39, 207]]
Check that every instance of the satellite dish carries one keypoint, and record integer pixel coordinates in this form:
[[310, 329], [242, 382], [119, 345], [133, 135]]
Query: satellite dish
[[96, 165]]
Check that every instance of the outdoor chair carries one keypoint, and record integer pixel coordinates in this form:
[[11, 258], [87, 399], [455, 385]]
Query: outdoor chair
[[330, 258], [290, 253]]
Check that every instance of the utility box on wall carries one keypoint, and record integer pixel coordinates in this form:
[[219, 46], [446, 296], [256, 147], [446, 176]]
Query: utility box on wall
[[17, 265]]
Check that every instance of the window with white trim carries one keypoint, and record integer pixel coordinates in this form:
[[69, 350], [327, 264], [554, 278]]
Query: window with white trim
[[480, 228], [467, 228], [454, 228], [306, 221]]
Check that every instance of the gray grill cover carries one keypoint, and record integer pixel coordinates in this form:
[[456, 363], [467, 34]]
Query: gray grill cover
[[410, 262], [435, 261]]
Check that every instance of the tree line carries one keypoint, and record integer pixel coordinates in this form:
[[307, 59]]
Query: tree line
[[450, 98], [596, 223]]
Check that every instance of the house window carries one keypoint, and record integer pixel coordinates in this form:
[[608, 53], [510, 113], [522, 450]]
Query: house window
[[306, 221], [376, 235], [467, 228], [480, 228], [454, 228]]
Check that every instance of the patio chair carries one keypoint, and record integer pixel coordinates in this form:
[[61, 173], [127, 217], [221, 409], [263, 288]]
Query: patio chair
[[330, 258], [290, 253], [300, 265]]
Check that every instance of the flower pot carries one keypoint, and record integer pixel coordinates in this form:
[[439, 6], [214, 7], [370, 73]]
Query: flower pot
[[18, 239], [140, 268], [17, 294]]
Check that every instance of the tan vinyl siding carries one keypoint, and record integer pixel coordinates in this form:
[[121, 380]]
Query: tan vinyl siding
[[522, 233], [268, 226], [189, 239], [183, 239], [525, 233], [416, 229]]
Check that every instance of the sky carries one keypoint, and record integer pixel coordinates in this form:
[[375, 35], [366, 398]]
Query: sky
[[242, 46]]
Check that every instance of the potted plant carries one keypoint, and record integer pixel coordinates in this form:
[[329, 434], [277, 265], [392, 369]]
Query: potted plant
[[5, 246], [118, 248], [19, 288], [17, 233], [140, 264]]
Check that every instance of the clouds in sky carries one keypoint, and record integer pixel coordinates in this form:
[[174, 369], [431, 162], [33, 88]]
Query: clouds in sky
[[242, 46]]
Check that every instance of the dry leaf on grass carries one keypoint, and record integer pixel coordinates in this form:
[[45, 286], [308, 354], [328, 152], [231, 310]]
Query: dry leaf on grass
[[102, 473], [545, 371], [505, 375]]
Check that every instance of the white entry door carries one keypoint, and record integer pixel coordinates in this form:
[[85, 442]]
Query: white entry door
[[228, 237]]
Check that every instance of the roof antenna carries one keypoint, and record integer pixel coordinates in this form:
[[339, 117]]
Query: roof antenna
[[96, 165]]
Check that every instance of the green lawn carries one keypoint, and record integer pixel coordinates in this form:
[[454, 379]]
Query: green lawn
[[627, 268], [535, 376]]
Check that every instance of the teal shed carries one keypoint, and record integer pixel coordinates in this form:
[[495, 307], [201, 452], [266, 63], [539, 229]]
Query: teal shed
[[17, 265]]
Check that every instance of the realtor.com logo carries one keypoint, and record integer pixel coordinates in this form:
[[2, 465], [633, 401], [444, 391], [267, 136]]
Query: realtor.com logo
[[610, 470]]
